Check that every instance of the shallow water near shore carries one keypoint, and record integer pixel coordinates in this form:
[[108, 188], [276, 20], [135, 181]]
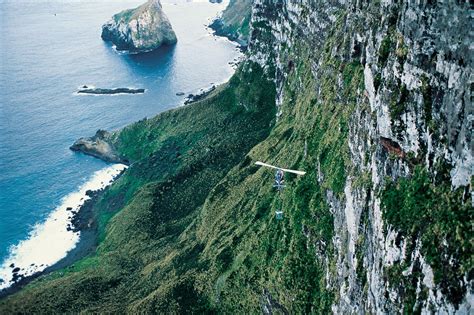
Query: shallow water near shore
[[47, 50], [49, 241]]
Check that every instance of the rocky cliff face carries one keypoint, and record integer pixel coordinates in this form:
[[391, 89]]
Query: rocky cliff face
[[141, 29], [400, 242]]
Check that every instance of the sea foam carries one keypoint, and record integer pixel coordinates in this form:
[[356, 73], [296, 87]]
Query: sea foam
[[50, 240]]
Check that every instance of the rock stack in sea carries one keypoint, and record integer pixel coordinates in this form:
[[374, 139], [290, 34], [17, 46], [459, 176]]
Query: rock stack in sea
[[141, 29]]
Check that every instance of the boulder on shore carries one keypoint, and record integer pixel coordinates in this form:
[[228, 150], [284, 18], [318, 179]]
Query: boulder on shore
[[141, 29]]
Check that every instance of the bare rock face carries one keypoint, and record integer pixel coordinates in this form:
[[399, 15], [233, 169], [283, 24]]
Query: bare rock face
[[98, 146], [141, 29]]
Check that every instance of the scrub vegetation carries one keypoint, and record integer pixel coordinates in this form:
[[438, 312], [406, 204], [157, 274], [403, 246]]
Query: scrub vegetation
[[429, 210]]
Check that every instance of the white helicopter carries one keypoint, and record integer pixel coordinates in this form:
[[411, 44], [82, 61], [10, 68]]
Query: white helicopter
[[279, 181]]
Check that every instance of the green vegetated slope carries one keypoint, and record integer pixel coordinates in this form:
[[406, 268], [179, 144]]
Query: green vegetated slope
[[237, 17], [257, 259], [427, 207], [196, 229], [146, 259]]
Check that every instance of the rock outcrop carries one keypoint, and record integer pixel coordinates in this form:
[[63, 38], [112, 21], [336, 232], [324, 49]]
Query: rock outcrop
[[234, 23], [98, 146], [88, 90], [141, 29]]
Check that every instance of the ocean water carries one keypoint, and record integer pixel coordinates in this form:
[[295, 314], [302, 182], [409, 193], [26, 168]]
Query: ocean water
[[47, 50]]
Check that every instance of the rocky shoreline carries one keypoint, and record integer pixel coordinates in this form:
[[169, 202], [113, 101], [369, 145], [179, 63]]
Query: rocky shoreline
[[203, 92], [83, 221], [217, 26]]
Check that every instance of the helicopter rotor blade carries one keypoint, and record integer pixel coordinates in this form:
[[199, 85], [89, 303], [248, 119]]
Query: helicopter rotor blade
[[279, 168]]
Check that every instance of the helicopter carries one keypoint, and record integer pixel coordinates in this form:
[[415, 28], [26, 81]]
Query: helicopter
[[279, 183]]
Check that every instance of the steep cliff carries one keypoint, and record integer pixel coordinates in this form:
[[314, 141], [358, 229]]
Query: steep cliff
[[372, 100], [141, 29], [402, 210]]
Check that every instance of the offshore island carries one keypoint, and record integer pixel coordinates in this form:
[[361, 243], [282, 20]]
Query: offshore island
[[88, 90], [141, 29]]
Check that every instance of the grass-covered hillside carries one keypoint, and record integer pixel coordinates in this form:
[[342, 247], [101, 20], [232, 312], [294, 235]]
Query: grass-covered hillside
[[148, 257]]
